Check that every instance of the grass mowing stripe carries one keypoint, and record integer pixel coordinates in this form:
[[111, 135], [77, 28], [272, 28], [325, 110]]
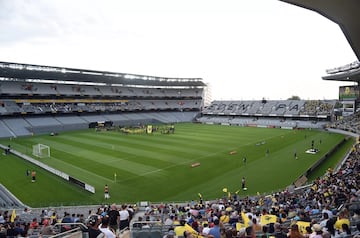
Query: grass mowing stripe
[[57, 190], [157, 142], [78, 163], [170, 177], [147, 172], [148, 148], [93, 154], [122, 161], [85, 173]]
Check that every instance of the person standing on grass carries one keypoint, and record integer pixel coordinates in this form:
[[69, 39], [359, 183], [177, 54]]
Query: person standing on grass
[[33, 176], [106, 192], [243, 183]]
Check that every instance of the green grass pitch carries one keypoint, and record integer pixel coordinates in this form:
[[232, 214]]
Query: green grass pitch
[[158, 168]]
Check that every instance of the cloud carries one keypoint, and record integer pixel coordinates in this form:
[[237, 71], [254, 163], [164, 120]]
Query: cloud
[[245, 49]]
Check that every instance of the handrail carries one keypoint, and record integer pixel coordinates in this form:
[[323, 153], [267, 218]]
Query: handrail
[[61, 234]]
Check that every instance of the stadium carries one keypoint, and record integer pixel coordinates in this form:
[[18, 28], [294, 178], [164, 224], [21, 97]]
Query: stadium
[[78, 141]]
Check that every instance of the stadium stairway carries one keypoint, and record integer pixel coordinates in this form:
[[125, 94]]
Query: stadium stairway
[[8, 200]]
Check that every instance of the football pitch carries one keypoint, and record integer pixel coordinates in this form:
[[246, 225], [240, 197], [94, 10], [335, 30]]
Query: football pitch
[[158, 167]]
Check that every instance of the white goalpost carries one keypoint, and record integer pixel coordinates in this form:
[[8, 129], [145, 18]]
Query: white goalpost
[[41, 151]]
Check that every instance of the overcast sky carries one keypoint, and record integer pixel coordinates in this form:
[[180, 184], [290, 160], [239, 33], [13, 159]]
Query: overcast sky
[[245, 49]]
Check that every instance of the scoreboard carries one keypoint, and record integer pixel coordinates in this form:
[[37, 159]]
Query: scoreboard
[[349, 93]]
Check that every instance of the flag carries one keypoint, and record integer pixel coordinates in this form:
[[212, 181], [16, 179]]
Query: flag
[[225, 190], [267, 219], [192, 231], [229, 195], [149, 129], [13, 216], [245, 219], [239, 226], [302, 226], [199, 194]]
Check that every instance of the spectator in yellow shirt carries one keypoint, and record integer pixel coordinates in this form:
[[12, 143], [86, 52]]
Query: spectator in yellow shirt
[[342, 219], [179, 230]]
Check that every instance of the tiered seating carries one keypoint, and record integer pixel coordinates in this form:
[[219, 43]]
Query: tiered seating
[[11, 107], [243, 107], [349, 123], [230, 108], [44, 124], [5, 131], [42, 121], [267, 107], [72, 122], [253, 108], [317, 107], [93, 118], [109, 91], [14, 88], [64, 89], [294, 107], [278, 113], [18, 126], [45, 89], [7, 200]]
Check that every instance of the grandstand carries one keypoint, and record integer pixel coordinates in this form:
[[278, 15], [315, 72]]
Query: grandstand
[[38, 99], [271, 113], [40, 107]]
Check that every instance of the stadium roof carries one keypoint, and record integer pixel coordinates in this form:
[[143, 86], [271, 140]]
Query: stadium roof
[[24, 72], [346, 15], [349, 72]]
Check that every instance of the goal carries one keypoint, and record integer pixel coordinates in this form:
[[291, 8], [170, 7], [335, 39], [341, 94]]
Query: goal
[[41, 151]]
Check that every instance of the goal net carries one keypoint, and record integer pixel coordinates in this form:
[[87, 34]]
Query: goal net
[[41, 151]]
